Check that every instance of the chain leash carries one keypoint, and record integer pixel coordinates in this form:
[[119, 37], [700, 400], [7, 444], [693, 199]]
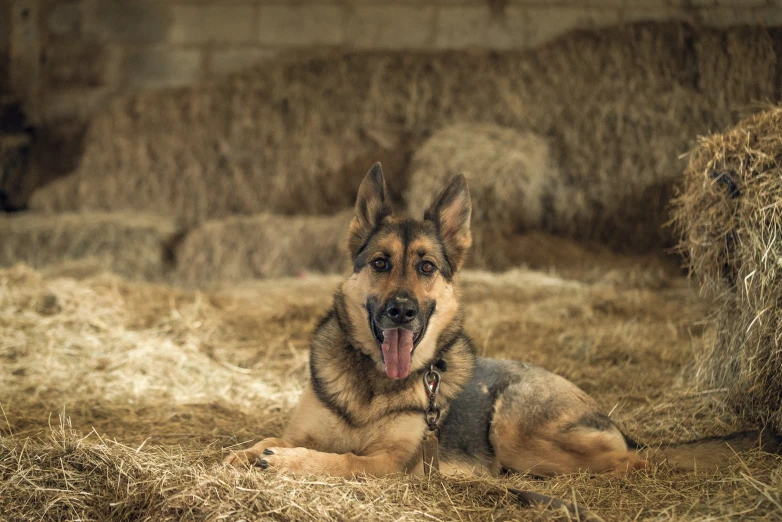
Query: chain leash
[[430, 449]]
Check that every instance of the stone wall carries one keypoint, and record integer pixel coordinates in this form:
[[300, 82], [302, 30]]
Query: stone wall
[[68, 56]]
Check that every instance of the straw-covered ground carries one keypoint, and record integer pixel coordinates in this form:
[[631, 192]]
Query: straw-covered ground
[[119, 399]]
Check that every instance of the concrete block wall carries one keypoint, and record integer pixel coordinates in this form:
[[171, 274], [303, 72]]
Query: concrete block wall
[[67, 57]]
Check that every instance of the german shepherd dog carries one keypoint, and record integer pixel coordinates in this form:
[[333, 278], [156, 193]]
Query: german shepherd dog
[[396, 317]]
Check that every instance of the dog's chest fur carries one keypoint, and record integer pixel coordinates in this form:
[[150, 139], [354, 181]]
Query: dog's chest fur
[[363, 407]]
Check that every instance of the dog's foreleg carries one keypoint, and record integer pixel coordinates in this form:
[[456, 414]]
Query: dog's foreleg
[[249, 457], [303, 461]]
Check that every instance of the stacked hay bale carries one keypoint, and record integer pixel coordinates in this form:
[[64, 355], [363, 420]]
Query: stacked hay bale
[[135, 246], [511, 174], [266, 141], [728, 59], [729, 214], [238, 249], [497, 250], [298, 135]]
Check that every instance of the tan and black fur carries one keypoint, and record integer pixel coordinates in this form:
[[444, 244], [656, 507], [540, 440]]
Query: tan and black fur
[[363, 414]]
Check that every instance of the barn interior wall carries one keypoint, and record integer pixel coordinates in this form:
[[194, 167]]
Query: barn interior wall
[[65, 58]]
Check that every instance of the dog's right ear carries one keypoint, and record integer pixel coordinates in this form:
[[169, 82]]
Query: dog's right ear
[[372, 207]]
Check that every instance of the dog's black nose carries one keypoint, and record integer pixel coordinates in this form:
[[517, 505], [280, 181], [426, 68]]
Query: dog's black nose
[[401, 310]]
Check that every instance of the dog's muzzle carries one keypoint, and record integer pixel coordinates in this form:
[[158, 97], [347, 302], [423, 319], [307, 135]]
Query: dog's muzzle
[[398, 326]]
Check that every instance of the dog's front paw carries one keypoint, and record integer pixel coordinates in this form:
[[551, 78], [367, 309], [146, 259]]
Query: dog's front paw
[[297, 461], [249, 457]]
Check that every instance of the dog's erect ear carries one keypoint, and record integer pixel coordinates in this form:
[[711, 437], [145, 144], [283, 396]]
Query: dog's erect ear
[[451, 213], [372, 207]]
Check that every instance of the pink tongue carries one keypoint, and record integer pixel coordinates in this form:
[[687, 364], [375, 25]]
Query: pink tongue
[[397, 347]]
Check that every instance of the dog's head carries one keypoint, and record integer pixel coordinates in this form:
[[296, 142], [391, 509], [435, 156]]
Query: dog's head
[[401, 295]]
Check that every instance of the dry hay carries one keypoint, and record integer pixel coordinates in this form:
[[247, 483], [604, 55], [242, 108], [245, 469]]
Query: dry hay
[[617, 107], [511, 174], [258, 247], [731, 224], [119, 399], [136, 246]]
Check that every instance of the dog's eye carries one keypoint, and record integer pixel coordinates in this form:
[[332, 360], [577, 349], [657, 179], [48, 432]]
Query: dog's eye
[[380, 264], [427, 267]]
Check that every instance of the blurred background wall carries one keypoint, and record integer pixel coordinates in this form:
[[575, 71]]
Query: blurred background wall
[[61, 60], [67, 57]]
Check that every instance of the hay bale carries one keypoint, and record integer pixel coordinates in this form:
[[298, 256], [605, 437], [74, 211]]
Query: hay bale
[[135, 246], [250, 143], [616, 106], [239, 249], [730, 221], [726, 59], [497, 250], [511, 174], [265, 246]]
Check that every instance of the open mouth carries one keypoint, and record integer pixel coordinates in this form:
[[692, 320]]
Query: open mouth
[[396, 347], [378, 332]]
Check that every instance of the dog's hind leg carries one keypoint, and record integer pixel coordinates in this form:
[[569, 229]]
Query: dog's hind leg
[[545, 425]]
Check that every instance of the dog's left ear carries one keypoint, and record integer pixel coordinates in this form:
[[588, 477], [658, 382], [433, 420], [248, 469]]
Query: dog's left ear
[[451, 213], [372, 207]]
